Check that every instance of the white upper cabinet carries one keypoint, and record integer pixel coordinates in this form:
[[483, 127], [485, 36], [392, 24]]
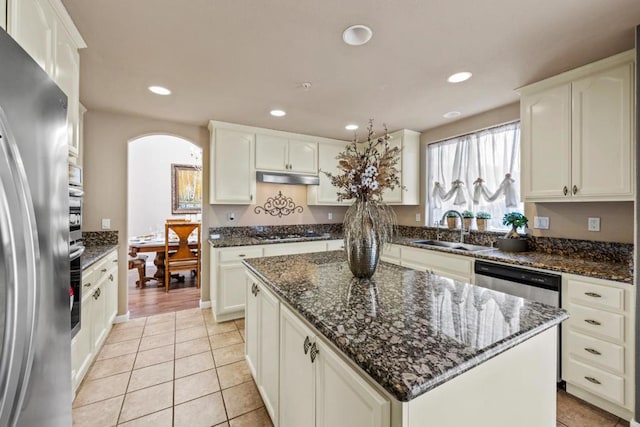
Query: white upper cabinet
[[32, 24], [3, 14], [281, 154], [409, 166], [232, 177], [326, 193], [577, 134]]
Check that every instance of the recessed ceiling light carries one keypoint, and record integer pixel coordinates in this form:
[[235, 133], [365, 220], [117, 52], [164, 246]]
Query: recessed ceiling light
[[351, 127], [459, 77], [159, 90], [451, 114], [357, 35], [278, 113]]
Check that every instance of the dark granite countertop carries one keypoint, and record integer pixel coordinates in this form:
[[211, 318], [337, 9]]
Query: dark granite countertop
[[93, 254], [227, 242], [410, 331]]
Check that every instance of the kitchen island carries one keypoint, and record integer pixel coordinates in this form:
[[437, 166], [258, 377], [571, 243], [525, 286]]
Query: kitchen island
[[403, 349]]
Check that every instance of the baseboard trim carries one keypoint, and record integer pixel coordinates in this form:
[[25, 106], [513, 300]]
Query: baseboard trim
[[122, 318], [205, 304]]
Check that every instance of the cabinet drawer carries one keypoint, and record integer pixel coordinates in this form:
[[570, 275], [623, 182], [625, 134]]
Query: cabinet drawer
[[391, 252], [609, 386], [335, 245], [596, 351], [238, 254], [294, 248], [596, 295], [598, 322]]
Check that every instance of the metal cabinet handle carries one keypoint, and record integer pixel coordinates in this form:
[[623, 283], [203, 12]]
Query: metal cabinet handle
[[87, 285], [575, 189], [104, 270], [565, 190], [241, 255], [250, 196], [257, 290], [592, 380], [593, 351], [111, 277], [115, 260], [314, 352], [306, 345], [253, 289], [593, 322], [593, 295]]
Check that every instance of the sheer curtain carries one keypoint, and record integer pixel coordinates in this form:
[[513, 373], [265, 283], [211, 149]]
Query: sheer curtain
[[477, 172]]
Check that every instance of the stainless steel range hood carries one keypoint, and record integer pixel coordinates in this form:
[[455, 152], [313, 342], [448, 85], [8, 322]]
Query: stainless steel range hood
[[287, 178]]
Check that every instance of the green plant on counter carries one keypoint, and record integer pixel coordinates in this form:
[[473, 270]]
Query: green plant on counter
[[452, 215], [483, 215], [467, 214], [515, 220]]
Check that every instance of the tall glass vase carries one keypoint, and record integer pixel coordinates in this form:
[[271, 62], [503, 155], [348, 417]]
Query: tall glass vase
[[367, 226]]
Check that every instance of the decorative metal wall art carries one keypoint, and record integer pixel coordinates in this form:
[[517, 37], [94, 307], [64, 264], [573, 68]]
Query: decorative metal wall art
[[279, 205]]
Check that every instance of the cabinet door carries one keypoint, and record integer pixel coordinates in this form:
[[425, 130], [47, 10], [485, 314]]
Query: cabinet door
[[231, 290], [395, 195], [326, 193], [303, 157], [31, 24], [111, 289], [233, 175], [546, 144], [98, 315], [3, 14], [345, 399], [297, 378], [81, 345], [251, 328], [602, 138], [268, 348], [67, 76], [271, 153]]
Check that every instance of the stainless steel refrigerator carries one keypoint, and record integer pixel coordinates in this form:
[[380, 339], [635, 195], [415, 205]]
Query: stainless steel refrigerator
[[35, 360]]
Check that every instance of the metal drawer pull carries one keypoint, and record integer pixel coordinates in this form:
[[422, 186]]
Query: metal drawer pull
[[593, 295], [592, 380], [115, 260], [593, 351], [241, 255], [87, 285], [575, 189], [593, 322], [565, 190], [306, 345], [104, 270], [314, 352]]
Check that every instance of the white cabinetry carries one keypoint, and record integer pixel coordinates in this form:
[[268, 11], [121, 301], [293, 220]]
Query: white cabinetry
[[32, 24], [577, 134], [3, 14], [598, 342], [280, 154], [409, 165], [232, 177], [98, 310], [456, 267], [325, 193], [391, 254]]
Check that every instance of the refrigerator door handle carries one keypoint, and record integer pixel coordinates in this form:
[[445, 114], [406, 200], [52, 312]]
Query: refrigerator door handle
[[19, 251]]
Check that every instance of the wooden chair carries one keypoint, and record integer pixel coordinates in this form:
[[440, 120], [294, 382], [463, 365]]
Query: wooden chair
[[182, 258], [140, 264]]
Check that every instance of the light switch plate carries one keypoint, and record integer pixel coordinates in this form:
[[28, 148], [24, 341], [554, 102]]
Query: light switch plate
[[541, 222], [330, 216], [593, 224], [418, 217], [106, 223]]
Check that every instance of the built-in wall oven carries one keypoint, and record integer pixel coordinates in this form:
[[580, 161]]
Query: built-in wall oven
[[533, 285], [76, 246]]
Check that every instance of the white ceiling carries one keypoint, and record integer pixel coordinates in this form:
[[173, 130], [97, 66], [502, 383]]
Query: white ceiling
[[235, 60]]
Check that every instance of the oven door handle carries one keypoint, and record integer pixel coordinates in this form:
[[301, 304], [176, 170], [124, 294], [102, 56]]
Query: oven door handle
[[76, 252]]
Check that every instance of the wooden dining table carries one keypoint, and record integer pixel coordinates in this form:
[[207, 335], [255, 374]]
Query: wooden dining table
[[157, 246]]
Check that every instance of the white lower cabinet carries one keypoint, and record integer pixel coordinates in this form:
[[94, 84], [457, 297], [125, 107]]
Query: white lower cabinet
[[456, 267]]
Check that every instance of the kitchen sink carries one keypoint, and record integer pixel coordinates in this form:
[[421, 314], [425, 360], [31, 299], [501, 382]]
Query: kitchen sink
[[452, 245]]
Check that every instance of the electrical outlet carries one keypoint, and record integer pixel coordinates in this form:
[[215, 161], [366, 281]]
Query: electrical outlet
[[330, 216], [231, 216], [593, 224], [106, 223], [418, 217], [541, 222]]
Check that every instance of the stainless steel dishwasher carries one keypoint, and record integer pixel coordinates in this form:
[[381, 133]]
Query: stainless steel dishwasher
[[521, 282]]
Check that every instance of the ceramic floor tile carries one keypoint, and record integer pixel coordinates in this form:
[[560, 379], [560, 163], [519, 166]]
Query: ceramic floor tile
[[101, 389], [155, 341], [99, 414], [114, 350], [133, 323], [622, 423], [147, 401], [108, 367], [239, 324], [242, 335], [154, 356], [162, 418], [191, 312], [159, 328], [151, 375], [233, 374], [218, 328], [190, 333], [124, 335], [202, 412], [222, 425], [197, 385], [189, 322], [229, 354], [189, 348], [160, 318], [573, 412], [225, 339], [241, 399], [559, 424], [193, 364], [257, 418]]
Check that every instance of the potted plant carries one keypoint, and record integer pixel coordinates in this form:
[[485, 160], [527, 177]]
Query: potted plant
[[467, 218], [452, 220], [512, 242], [481, 220]]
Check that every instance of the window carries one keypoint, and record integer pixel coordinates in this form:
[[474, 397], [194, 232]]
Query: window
[[476, 172]]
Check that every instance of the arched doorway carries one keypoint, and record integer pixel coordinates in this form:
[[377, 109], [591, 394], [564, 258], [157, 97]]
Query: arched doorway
[[154, 161]]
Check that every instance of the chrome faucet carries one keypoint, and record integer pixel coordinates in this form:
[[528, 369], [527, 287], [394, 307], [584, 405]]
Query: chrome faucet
[[459, 215]]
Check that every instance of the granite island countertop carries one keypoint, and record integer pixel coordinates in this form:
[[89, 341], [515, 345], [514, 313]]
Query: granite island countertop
[[93, 254], [231, 241], [408, 330]]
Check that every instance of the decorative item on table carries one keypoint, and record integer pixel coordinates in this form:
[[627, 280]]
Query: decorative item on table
[[452, 220], [512, 241], [481, 220], [367, 169], [467, 219]]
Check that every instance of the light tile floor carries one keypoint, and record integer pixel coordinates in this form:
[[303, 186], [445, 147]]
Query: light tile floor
[[184, 369]]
